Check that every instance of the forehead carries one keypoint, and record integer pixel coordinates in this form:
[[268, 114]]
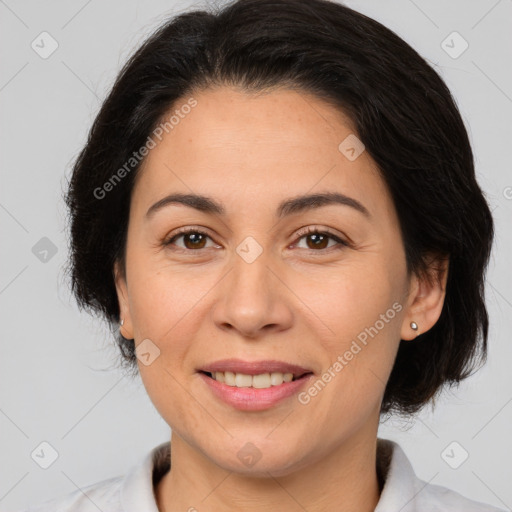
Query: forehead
[[238, 146]]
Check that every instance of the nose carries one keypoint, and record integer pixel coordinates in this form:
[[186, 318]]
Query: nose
[[253, 299]]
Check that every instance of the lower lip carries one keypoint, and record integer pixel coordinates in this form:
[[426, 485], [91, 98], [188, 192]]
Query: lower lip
[[253, 399]]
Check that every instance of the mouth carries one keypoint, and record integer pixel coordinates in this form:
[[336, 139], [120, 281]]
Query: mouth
[[254, 374], [254, 386], [258, 381]]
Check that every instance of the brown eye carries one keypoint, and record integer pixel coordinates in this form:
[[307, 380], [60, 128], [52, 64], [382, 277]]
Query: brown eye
[[319, 240], [196, 240], [193, 239]]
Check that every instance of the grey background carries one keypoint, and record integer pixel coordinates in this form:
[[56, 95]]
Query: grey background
[[56, 378]]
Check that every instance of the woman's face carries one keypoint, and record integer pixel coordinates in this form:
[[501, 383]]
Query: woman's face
[[257, 287]]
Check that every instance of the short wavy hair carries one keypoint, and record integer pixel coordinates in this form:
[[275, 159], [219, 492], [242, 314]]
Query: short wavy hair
[[402, 110]]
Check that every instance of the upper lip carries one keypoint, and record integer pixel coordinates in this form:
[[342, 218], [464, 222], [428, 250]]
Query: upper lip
[[254, 367]]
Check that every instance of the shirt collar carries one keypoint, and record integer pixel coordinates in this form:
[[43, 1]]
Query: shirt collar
[[400, 482], [137, 491]]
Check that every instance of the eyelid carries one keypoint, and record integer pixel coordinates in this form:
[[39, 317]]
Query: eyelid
[[314, 229]]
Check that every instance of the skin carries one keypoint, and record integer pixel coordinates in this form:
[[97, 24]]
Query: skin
[[296, 302]]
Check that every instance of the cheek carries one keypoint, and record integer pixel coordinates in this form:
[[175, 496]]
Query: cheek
[[166, 303], [358, 318], [349, 298], [175, 403], [166, 306]]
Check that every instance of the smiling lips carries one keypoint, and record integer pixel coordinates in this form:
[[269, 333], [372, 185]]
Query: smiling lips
[[260, 381], [254, 385], [258, 374]]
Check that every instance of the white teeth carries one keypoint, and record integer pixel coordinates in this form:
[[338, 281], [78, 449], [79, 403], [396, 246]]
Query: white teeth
[[243, 381], [276, 379], [229, 378], [288, 377], [261, 381]]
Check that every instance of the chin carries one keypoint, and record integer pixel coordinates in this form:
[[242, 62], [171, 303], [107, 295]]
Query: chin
[[259, 457]]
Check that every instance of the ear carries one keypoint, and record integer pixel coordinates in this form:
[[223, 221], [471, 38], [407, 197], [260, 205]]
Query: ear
[[124, 306], [426, 298]]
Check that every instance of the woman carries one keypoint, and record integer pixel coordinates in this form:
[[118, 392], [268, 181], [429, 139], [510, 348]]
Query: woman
[[277, 206]]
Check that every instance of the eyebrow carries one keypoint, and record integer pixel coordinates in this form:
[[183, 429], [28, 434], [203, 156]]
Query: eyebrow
[[287, 207]]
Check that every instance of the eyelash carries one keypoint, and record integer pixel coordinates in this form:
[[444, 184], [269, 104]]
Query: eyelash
[[300, 234]]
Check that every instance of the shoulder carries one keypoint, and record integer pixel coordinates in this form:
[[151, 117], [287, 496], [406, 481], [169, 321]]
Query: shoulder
[[404, 491], [104, 495], [131, 492], [436, 497]]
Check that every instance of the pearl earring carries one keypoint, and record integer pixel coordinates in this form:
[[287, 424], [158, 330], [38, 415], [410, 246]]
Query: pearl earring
[[414, 326]]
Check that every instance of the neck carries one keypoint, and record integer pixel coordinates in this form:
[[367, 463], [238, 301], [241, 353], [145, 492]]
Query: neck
[[345, 480]]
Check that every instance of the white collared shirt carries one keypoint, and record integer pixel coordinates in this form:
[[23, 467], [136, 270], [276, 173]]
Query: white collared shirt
[[403, 491]]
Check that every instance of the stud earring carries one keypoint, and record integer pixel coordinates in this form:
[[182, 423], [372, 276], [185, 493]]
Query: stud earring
[[122, 322], [414, 326]]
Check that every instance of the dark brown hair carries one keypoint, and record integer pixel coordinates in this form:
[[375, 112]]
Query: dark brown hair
[[403, 113]]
